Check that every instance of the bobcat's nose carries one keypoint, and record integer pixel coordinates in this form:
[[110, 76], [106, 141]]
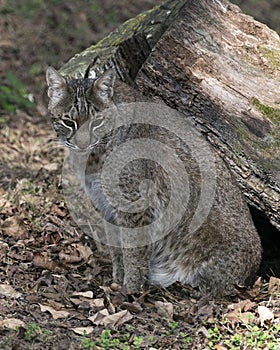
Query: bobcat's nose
[[82, 138], [85, 137]]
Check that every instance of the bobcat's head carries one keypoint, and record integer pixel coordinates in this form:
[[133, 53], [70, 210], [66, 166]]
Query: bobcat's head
[[76, 103]]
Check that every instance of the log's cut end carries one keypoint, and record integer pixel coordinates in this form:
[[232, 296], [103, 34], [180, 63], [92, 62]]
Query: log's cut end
[[219, 67]]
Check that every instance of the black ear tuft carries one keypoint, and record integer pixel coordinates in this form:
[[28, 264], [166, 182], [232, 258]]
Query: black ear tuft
[[90, 66], [104, 86]]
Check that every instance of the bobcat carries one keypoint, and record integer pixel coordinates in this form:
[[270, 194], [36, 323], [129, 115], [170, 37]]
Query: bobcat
[[224, 252]]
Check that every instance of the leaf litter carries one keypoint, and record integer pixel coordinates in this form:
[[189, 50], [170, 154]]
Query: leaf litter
[[53, 276]]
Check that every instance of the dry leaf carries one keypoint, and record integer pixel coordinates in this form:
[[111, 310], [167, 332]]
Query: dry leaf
[[79, 298], [51, 166], [3, 250], [99, 316], [115, 287], [249, 306], [117, 318], [97, 302], [164, 309], [44, 262], [274, 285], [236, 316], [232, 317], [134, 307], [69, 258], [58, 211], [243, 305], [13, 227], [9, 291], [219, 347], [103, 318], [83, 330], [55, 304], [265, 314], [106, 289], [76, 301], [55, 314], [11, 323], [85, 252], [255, 290], [7, 43], [88, 294]]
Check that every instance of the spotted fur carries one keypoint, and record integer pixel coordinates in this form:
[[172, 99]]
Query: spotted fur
[[223, 253]]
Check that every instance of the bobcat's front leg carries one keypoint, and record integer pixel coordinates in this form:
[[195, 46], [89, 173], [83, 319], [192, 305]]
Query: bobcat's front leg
[[135, 262], [113, 242], [130, 265], [117, 262]]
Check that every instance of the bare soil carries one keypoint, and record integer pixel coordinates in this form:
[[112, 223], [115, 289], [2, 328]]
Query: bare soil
[[56, 290]]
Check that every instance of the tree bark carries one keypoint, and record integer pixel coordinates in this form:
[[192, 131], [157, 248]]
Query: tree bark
[[221, 69]]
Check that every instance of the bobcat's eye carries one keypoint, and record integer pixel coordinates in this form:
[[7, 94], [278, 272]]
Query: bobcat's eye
[[69, 123], [96, 123]]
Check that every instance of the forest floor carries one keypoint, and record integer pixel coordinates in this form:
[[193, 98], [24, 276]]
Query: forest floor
[[56, 290]]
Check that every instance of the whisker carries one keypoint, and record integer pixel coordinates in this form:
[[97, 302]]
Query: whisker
[[52, 141], [70, 145], [53, 144], [53, 147]]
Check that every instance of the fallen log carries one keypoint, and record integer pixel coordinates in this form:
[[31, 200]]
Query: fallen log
[[217, 66]]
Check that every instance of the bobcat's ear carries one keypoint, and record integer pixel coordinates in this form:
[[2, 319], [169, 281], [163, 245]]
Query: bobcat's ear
[[103, 88], [57, 85]]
